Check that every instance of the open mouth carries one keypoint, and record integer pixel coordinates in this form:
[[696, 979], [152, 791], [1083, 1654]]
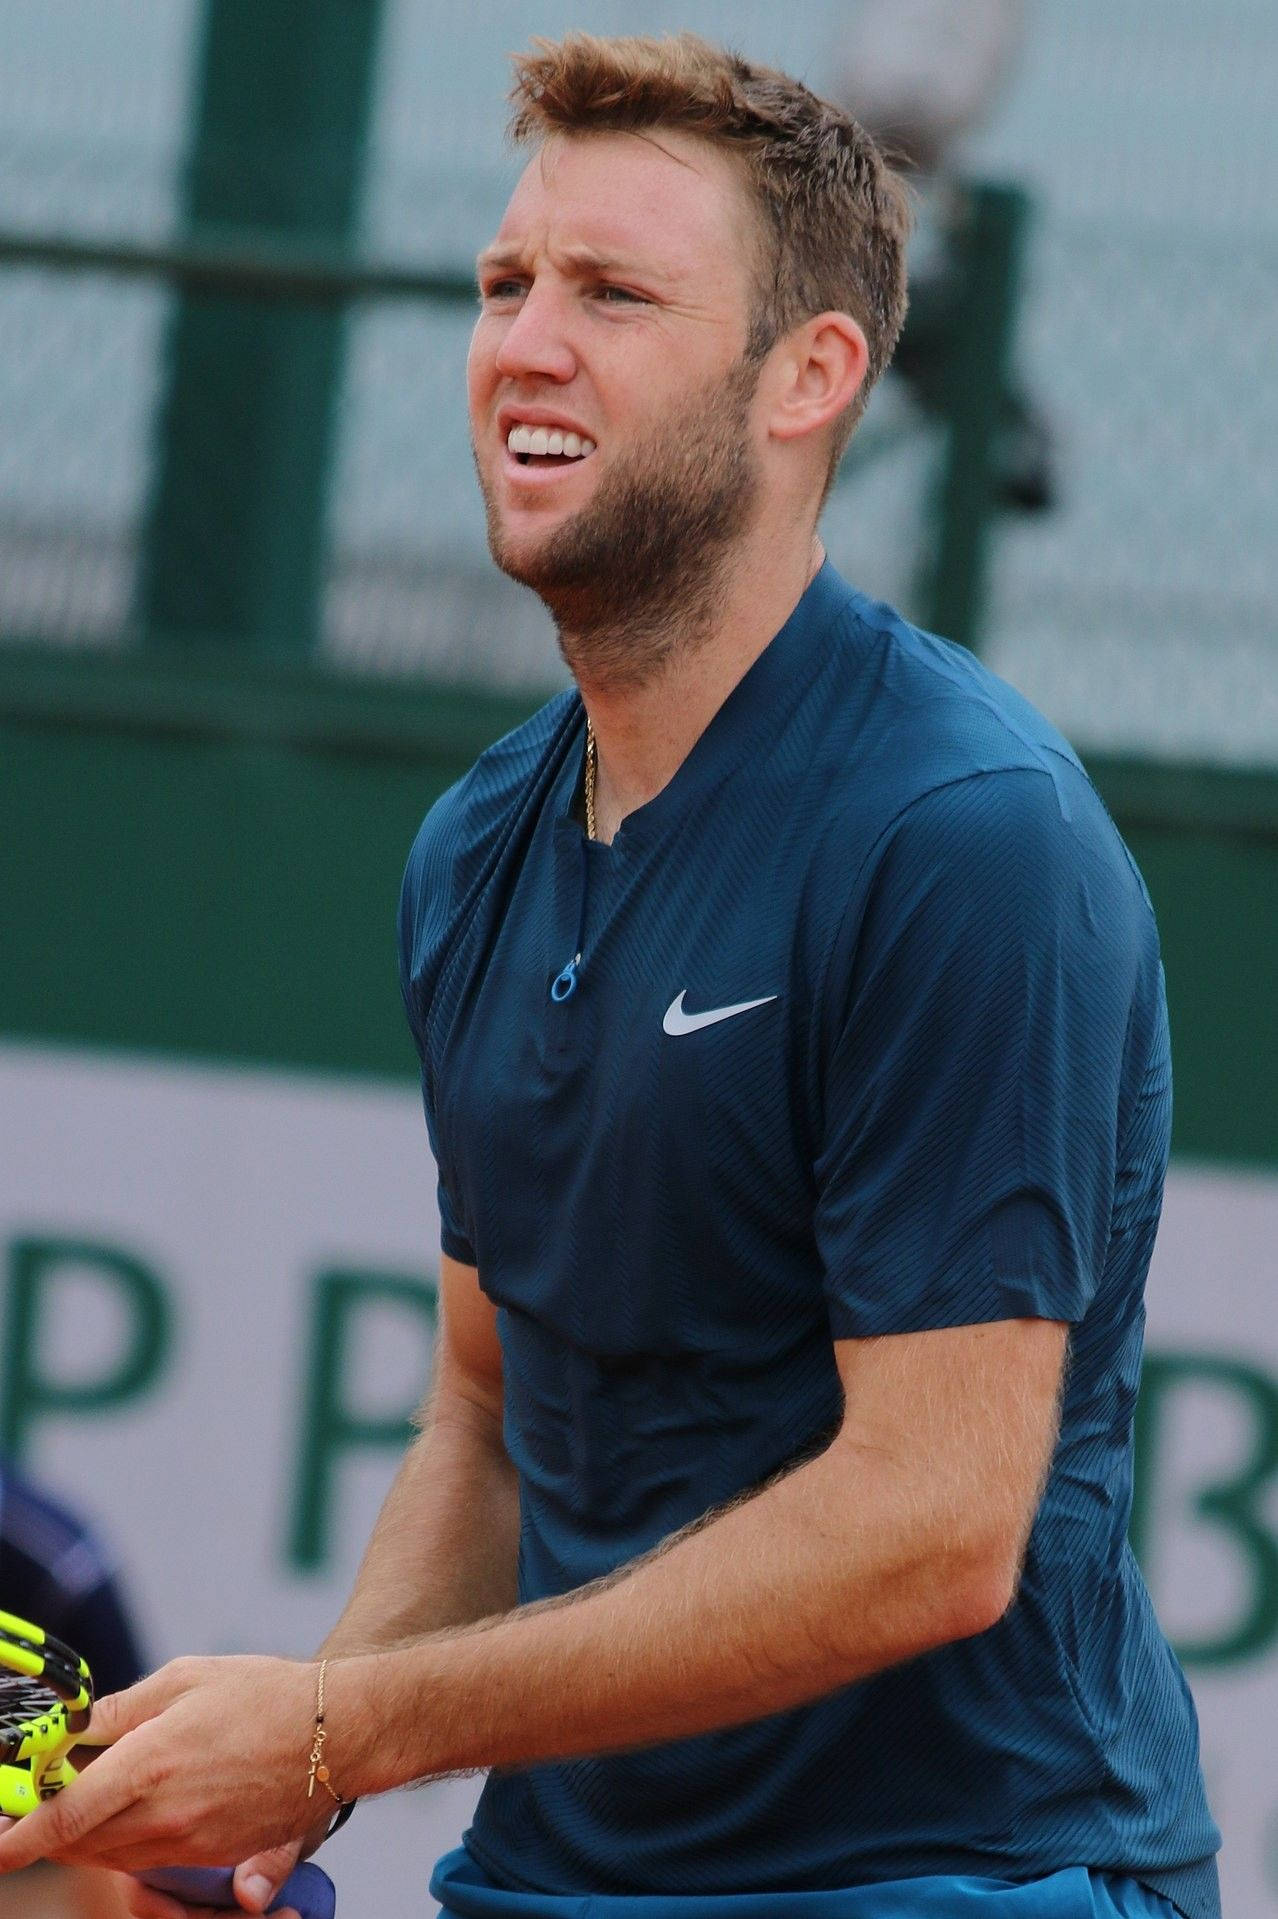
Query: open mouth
[[547, 446]]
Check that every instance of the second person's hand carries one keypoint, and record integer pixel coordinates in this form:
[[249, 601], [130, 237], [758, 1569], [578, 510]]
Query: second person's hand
[[257, 1882]]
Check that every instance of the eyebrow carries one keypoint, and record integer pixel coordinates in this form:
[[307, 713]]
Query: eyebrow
[[583, 260]]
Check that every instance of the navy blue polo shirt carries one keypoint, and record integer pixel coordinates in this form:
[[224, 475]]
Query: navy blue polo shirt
[[859, 1030]]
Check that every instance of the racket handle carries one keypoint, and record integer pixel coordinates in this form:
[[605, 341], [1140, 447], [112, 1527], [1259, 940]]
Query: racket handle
[[308, 1890]]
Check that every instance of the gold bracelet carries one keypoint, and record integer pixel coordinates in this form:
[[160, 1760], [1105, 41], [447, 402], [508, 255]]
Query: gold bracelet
[[318, 1769]]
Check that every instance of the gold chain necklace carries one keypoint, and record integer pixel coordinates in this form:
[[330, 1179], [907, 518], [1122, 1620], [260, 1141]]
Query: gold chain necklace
[[592, 769]]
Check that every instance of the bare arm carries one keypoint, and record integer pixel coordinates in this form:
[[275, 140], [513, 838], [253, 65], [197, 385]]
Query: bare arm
[[907, 1533], [443, 1551]]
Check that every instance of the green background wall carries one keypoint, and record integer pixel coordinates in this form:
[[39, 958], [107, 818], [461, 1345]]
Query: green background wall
[[204, 860]]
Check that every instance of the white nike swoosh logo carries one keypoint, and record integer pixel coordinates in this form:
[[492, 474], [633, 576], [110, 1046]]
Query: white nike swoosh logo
[[677, 1021]]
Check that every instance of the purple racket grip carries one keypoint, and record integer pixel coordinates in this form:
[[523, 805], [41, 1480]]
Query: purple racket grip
[[307, 1890]]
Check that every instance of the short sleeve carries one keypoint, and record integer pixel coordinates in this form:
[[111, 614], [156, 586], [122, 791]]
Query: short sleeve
[[977, 1014], [453, 1236]]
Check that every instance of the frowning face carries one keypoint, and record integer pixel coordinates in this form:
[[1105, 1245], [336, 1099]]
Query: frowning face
[[609, 393]]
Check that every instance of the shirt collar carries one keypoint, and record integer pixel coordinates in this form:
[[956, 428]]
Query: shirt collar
[[756, 707]]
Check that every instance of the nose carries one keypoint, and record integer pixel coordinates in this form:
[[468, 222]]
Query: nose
[[536, 339]]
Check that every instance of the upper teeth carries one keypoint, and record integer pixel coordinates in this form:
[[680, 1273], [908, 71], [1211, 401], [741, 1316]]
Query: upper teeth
[[540, 439]]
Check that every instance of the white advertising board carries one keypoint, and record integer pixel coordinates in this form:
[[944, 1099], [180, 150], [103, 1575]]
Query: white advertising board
[[218, 1312]]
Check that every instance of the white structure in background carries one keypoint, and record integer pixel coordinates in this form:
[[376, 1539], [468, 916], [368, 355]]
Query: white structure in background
[[922, 73]]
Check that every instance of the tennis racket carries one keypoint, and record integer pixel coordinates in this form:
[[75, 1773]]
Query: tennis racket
[[46, 1698]]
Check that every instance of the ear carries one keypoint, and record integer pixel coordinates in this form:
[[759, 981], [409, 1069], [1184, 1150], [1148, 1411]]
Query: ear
[[818, 370]]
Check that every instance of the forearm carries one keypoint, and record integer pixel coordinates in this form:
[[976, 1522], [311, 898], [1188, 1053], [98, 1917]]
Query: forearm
[[907, 1533], [771, 1603], [443, 1552]]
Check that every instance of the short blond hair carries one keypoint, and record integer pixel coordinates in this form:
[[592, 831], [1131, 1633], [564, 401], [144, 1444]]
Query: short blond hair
[[834, 218]]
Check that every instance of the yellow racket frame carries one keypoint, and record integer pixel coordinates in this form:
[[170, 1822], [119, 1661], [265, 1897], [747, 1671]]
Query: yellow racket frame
[[40, 1766]]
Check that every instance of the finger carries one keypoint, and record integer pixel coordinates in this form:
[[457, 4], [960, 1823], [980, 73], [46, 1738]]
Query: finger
[[210, 1889], [258, 1879], [58, 1827]]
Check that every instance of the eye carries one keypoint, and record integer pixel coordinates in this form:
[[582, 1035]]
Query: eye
[[619, 296], [501, 290]]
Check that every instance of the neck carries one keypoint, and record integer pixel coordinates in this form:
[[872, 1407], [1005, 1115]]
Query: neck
[[644, 730]]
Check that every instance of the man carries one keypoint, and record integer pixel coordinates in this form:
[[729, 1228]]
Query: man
[[795, 1060]]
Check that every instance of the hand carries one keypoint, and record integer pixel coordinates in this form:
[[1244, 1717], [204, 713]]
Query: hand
[[207, 1762], [140, 1902], [257, 1881]]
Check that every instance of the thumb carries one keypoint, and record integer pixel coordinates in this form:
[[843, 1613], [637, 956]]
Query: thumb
[[258, 1879]]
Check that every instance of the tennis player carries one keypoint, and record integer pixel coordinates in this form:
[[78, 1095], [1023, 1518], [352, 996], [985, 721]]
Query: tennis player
[[795, 1060]]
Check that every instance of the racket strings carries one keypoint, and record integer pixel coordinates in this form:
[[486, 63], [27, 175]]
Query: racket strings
[[25, 1699], [33, 1720], [22, 1697], [46, 1696]]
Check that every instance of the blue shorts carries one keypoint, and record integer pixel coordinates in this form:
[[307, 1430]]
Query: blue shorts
[[465, 1892]]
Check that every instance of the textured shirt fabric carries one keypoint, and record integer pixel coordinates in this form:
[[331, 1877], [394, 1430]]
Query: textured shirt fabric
[[465, 1891], [943, 1099]]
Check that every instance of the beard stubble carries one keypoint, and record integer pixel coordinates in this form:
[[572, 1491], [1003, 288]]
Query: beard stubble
[[634, 578]]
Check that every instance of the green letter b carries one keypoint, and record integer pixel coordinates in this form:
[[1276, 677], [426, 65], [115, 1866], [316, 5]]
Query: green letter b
[[1234, 1506]]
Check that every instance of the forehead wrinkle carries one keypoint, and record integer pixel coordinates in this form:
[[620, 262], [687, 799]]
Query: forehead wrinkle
[[666, 259], [581, 260], [586, 259], [715, 165]]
